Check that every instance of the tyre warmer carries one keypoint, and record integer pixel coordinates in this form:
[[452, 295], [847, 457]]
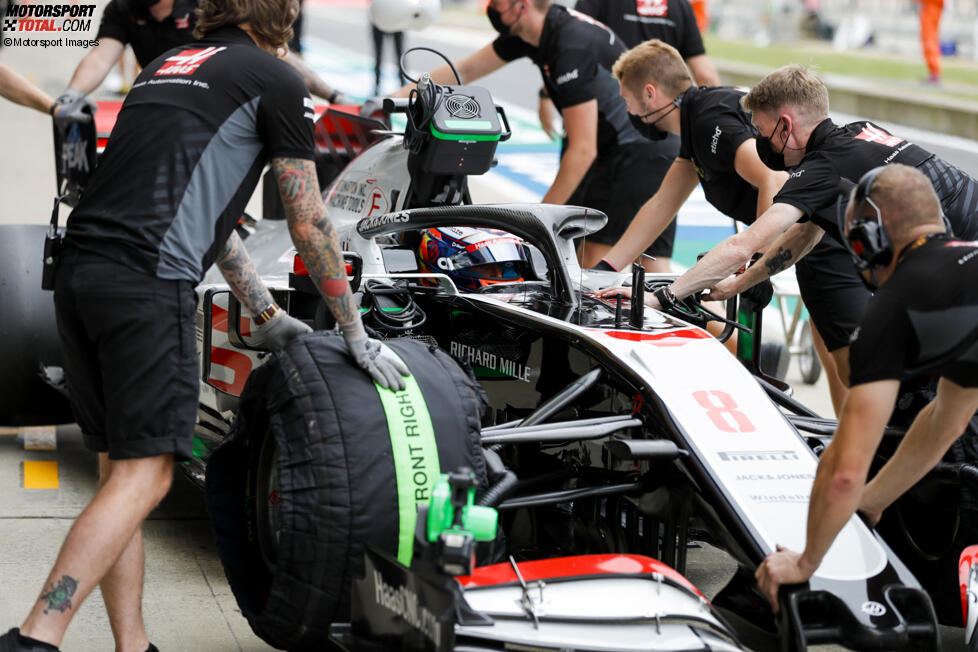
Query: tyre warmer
[[351, 455]]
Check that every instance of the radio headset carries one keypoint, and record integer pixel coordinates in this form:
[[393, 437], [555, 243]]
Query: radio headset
[[867, 240]]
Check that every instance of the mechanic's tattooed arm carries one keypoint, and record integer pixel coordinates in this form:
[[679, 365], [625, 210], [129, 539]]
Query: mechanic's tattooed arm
[[789, 248], [240, 273], [314, 235]]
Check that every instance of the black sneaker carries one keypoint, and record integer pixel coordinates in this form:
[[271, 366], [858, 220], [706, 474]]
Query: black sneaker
[[12, 642]]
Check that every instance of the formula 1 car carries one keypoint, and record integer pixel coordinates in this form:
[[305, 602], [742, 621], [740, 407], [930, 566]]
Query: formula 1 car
[[627, 429]]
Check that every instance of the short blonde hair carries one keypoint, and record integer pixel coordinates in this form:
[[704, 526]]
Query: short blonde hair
[[652, 62], [270, 20], [906, 199], [793, 85]]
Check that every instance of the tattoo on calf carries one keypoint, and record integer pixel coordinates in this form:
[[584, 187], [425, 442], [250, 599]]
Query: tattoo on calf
[[779, 261], [59, 595]]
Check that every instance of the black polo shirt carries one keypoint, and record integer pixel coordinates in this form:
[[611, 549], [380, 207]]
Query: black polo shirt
[[575, 57], [636, 21], [186, 153], [129, 22], [714, 126], [924, 318], [835, 152]]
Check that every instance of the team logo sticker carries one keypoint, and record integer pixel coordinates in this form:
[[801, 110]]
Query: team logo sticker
[[187, 62], [656, 8], [873, 608]]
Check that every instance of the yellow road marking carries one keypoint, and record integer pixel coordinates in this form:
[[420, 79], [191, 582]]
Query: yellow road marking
[[40, 475]]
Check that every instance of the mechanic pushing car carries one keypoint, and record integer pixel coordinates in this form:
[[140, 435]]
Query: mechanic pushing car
[[607, 165], [186, 153], [717, 150], [637, 21], [151, 28], [895, 228], [790, 110]]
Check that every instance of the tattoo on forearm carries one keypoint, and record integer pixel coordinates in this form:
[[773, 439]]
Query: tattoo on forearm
[[59, 595], [778, 262], [240, 273], [314, 235]]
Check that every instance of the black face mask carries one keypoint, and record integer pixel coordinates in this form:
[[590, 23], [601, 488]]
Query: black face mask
[[765, 151], [496, 19], [649, 129]]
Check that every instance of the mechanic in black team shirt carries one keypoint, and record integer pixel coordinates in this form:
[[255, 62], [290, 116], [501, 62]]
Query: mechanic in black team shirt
[[151, 28], [923, 318], [637, 21], [607, 165], [191, 140], [790, 111], [718, 151]]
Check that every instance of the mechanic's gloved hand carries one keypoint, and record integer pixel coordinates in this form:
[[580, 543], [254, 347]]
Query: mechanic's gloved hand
[[371, 106], [757, 296], [73, 106], [343, 99], [278, 331], [379, 361]]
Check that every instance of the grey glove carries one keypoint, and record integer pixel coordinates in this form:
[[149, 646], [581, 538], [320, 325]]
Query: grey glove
[[73, 106], [379, 361], [279, 331], [372, 106]]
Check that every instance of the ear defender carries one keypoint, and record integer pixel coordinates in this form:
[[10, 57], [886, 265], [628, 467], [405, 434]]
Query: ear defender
[[867, 239]]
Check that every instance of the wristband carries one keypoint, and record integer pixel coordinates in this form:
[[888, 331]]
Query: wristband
[[542, 93], [54, 105], [666, 297], [332, 97], [267, 314], [604, 265]]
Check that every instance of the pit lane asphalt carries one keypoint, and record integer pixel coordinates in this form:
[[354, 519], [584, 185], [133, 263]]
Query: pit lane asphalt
[[187, 603]]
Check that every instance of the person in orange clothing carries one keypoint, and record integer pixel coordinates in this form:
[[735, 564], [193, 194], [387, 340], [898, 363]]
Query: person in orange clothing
[[701, 9], [930, 40]]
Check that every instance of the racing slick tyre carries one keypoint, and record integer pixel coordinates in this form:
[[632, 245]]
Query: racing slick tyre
[[28, 332], [321, 462]]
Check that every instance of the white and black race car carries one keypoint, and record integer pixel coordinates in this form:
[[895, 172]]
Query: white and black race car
[[603, 429]]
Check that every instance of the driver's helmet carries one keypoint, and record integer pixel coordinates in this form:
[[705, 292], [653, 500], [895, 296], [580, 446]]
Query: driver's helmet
[[474, 258]]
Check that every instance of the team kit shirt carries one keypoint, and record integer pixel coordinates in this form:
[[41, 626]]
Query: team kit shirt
[[637, 21], [714, 126], [129, 22], [186, 153], [849, 151], [575, 57], [915, 323]]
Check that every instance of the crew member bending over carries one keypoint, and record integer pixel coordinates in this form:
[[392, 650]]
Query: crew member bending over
[[923, 318]]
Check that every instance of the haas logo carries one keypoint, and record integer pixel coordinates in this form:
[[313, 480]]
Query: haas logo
[[877, 135], [652, 8], [187, 62]]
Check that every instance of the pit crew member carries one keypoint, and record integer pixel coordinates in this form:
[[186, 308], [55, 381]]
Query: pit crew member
[[790, 111], [607, 165], [637, 21], [19, 90], [152, 28], [192, 138], [894, 222], [717, 150]]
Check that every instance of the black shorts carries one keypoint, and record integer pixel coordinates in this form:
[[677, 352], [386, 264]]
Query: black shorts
[[130, 352], [620, 183], [832, 291]]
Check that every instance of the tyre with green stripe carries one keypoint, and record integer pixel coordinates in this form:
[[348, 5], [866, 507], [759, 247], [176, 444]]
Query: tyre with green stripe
[[321, 462]]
